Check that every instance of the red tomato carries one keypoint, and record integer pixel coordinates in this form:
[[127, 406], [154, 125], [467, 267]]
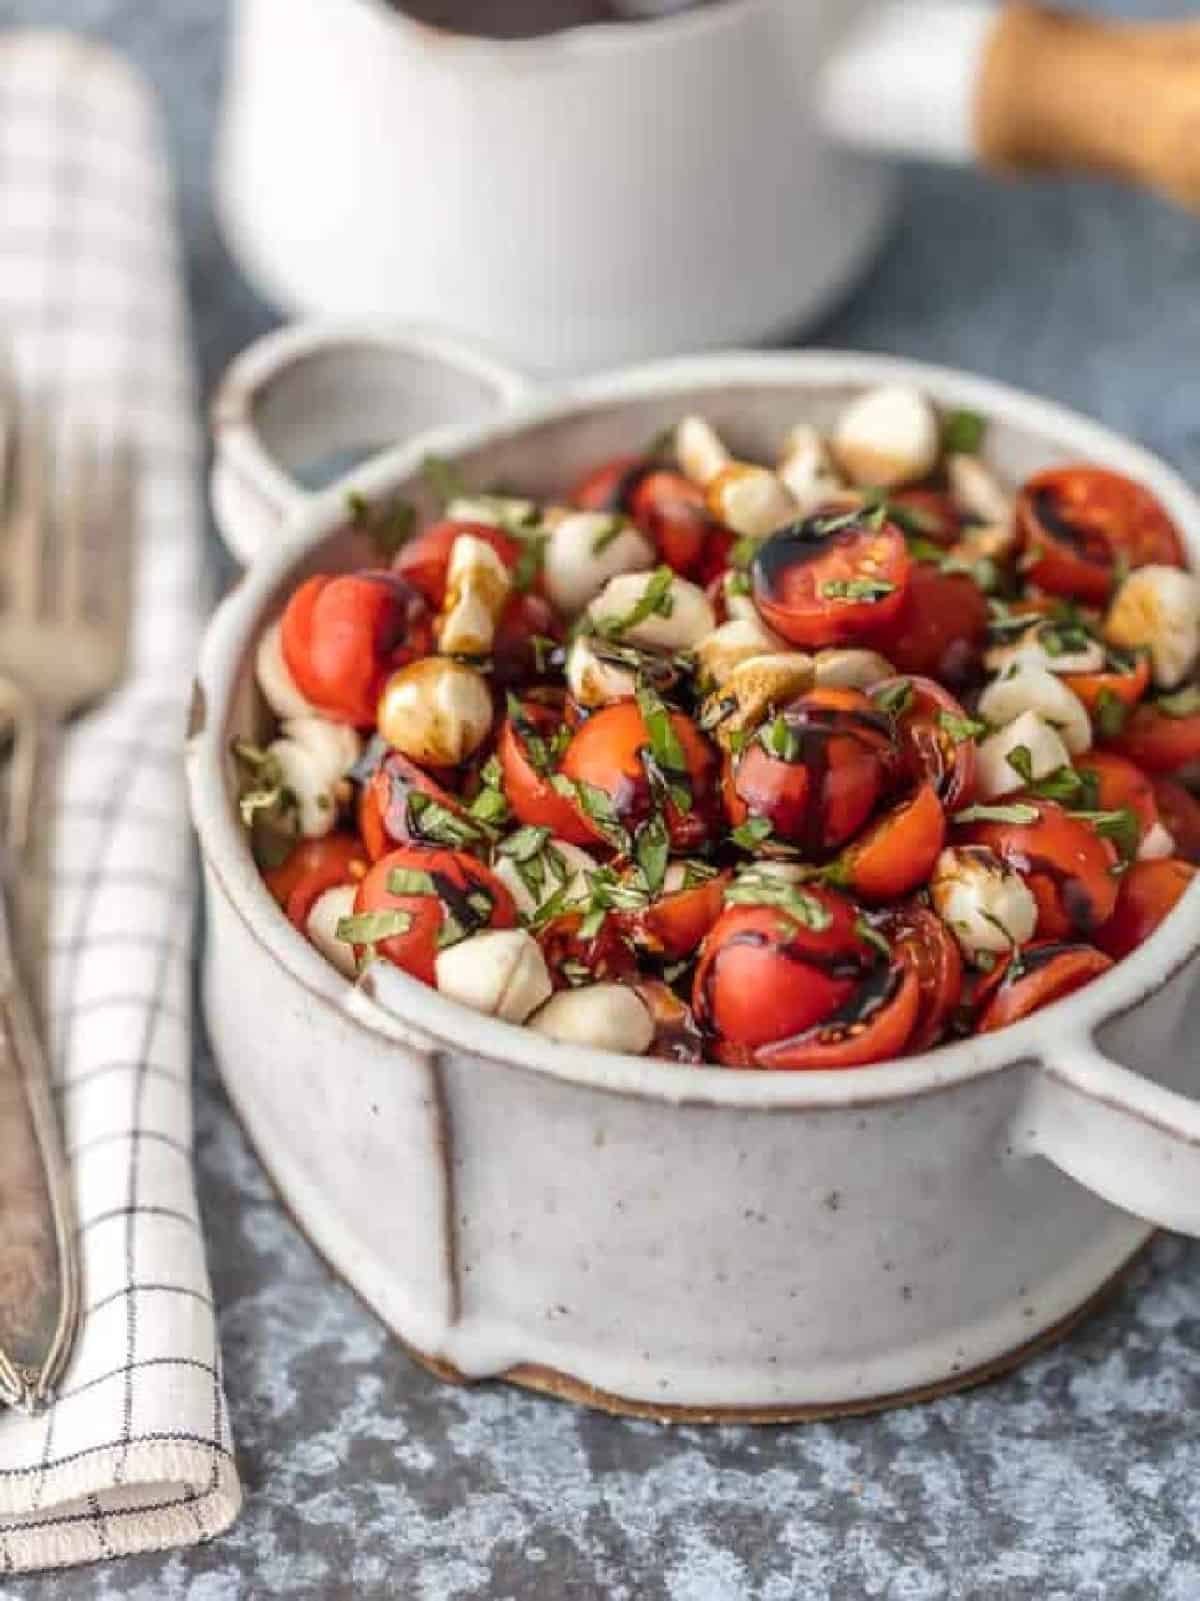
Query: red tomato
[[931, 741], [1077, 521], [670, 510], [1065, 862], [527, 787], [607, 487], [1179, 811], [455, 875], [940, 631], [933, 515], [1119, 784], [896, 854], [607, 954], [1148, 892], [924, 943], [383, 804], [425, 559], [1037, 975], [342, 637], [874, 1025], [1096, 690], [1157, 742], [514, 658], [763, 975], [820, 793], [314, 866], [817, 588], [672, 926], [609, 752]]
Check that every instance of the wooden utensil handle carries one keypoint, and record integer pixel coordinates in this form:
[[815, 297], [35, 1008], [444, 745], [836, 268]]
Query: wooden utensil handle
[[1061, 92]]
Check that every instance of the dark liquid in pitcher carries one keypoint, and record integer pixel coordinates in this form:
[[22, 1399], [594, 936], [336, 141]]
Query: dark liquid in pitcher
[[520, 19]]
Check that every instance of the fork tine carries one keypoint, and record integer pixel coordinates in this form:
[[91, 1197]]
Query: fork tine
[[30, 514]]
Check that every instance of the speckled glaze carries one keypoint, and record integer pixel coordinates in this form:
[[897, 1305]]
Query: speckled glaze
[[675, 1238]]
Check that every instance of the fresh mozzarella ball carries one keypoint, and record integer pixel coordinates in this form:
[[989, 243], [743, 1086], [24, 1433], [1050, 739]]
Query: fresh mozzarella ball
[[594, 681], [736, 641], [1028, 650], [435, 711], [887, 437], [685, 617], [806, 470], [1155, 844], [608, 1017], [850, 669], [1047, 753], [501, 973], [988, 908], [751, 500], [327, 912], [303, 776], [582, 554], [977, 491], [699, 450], [275, 680], [1159, 607], [575, 862], [1033, 689], [334, 747], [478, 585]]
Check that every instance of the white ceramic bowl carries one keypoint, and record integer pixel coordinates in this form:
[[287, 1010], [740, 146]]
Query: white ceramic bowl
[[646, 1236]]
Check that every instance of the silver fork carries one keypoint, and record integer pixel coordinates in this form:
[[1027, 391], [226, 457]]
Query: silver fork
[[65, 566]]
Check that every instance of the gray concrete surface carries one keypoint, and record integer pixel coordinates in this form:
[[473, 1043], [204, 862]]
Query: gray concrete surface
[[1077, 1478]]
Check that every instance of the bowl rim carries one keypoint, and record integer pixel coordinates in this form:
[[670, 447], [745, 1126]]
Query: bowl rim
[[418, 1017]]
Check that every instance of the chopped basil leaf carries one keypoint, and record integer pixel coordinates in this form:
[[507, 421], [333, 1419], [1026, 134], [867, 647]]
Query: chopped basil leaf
[[896, 698], [655, 600], [410, 881], [1063, 639], [695, 873], [1020, 759], [1068, 787], [962, 432], [527, 842], [738, 583], [367, 928], [651, 851], [752, 833], [1120, 826], [743, 551], [443, 479], [873, 937], [435, 822], [597, 805], [762, 889], [1111, 714], [543, 649], [1017, 813], [529, 563], [668, 763], [738, 739], [509, 512], [1181, 703], [869, 589], [960, 729], [489, 807], [604, 537], [779, 739], [822, 527]]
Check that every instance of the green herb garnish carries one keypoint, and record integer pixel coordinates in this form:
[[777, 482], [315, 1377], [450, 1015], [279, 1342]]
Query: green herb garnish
[[368, 928], [763, 889], [868, 589], [962, 432], [604, 537], [896, 698], [668, 763], [410, 881], [651, 851], [1111, 714], [754, 832], [437, 823], [1121, 827], [1016, 813], [655, 600], [1020, 759], [960, 729]]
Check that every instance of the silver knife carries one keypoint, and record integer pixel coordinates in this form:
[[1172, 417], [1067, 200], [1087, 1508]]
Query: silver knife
[[39, 1279]]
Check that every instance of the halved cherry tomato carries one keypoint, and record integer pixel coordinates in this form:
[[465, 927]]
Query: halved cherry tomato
[[1158, 742], [342, 636], [922, 941], [1120, 785], [676, 1035], [608, 487], [1148, 892], [818, 588], [873, 1025], [1179, 811], [670, 510], [1037, 975], [455, 875], [1096, 690], [425, 559], [514, 658], [672, 926], [764, 975], [839, 762], [607, 954], [1068, 866], [610, 752], [384, 820], [941, 629], [527, 785], [312, 867], [897, 853], [1078, 521], [930, 726], [933, 515]]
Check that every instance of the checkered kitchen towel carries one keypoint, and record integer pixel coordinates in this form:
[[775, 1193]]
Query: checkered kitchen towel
[[135, 1453]]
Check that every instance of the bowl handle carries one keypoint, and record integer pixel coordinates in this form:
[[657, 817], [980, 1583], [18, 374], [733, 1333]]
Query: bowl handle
[[307, 394], [1022, 88], [1130, 1140]]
